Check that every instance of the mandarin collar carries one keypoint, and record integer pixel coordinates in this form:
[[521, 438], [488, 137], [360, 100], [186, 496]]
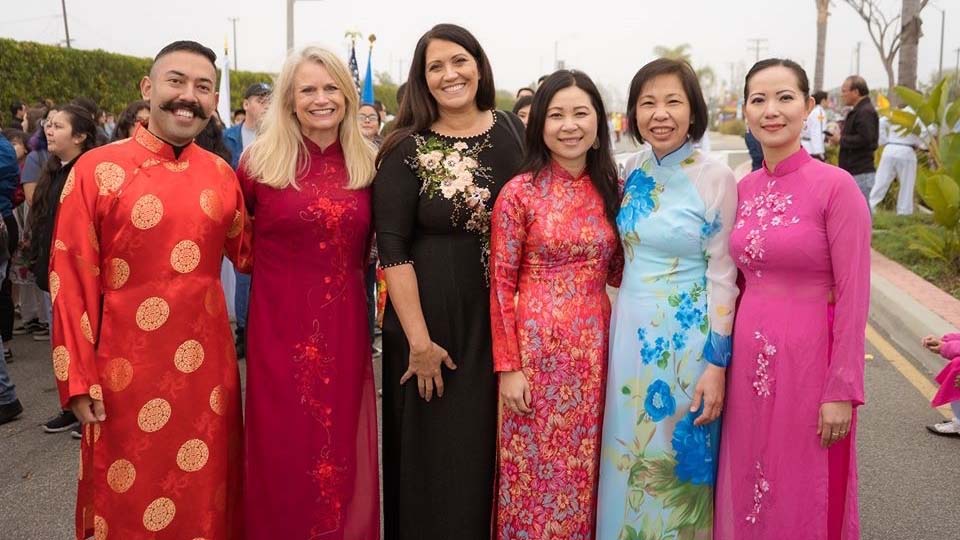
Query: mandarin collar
[[145, 138], [558, 172], [675, 157], [789, 165], [331, 151]]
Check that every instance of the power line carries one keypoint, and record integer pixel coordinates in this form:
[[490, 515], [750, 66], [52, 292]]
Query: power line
[[756, 44]]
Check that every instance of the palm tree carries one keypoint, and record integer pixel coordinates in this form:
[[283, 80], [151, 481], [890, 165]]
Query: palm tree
[[823, 11], [909, 42], [680, 52]]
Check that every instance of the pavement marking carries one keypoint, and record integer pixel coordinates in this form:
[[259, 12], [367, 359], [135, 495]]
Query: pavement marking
[[912, 374]]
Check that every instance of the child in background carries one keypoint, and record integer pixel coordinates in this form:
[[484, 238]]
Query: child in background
[[949, 378]]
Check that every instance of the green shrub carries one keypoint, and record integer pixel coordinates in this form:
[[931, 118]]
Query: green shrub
[[732, 127], [33, 72]]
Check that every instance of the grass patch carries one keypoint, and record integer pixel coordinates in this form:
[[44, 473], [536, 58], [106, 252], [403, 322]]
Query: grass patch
[[892, 236]]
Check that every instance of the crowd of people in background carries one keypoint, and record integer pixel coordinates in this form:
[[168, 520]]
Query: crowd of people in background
[[517, 400]]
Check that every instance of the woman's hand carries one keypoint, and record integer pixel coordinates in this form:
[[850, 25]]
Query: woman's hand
[[834, 422], [709, 392], [425, 364], [88, 410], [932, 343], [515, 392]]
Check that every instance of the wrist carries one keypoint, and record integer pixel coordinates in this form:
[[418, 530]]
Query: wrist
[[420, 346]]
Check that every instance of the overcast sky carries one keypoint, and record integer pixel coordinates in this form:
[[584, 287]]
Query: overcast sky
[[608, 39]]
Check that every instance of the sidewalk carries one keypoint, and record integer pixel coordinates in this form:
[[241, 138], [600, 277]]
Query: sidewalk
[[904, 307]]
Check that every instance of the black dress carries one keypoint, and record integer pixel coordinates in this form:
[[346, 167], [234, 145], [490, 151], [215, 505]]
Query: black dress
[[432, 200]]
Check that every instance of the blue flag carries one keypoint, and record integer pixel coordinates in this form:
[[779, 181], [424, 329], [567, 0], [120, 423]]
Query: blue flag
[[353, 66], [368, 81]]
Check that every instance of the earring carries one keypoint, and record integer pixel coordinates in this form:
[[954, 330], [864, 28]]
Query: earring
[[596, 144]]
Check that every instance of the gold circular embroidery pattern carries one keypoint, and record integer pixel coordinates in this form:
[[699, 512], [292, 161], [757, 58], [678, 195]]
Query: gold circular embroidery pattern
[[185, 256], [152, 313], [99, 528], [96, 392], [121, 475], [176, 166], [109, 177], [54, 286], [189, 356], [154, 415], [96, 432], [159, 514], [193, 455], [85, 327], [118, 273], [119, 373], [235, 226], [217, 400], [147, 212], [92, 237], [69, 184], [211, 205], [61, 363]]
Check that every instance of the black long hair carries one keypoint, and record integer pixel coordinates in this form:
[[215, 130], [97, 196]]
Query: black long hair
[[81, 123], [418, 109], [211, 139], [600, 165], [128, 119], [803, 83]]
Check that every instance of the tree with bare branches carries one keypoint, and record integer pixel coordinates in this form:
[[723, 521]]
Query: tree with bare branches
[[889, 34]]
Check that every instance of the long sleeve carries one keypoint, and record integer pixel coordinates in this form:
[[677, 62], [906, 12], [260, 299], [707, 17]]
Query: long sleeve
[[721, 274], [239, 243], [75, 286], [864, 130], [396, 194], [508, 234], [950, 346], [848, 235]]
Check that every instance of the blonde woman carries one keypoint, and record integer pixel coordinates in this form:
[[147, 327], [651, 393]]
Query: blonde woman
[[311, 439]]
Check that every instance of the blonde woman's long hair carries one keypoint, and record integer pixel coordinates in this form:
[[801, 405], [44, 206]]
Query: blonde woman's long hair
[[279, 154]]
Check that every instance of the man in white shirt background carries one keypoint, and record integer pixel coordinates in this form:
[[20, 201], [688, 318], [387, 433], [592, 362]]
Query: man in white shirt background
[[816, 125], [898, 160]]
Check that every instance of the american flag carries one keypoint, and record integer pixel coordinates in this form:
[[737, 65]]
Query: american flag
[[354, 69]]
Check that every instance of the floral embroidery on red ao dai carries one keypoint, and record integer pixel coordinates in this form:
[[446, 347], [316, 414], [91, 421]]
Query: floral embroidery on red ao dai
[[553, 252]]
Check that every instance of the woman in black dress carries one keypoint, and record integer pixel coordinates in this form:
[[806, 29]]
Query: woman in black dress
[[440, 171]]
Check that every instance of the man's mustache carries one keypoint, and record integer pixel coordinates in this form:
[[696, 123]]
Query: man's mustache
[[171, 106]]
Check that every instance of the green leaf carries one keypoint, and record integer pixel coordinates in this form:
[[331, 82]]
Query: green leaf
[[664, 360], [673, 300], [950, 154], [625, 390], [953, 113], [705, 326], [927, 114], [905, 121], [911, 97], [936, 96], [942, 195]]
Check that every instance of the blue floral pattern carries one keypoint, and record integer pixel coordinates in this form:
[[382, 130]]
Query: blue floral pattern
[[659, 403], [694, 445]]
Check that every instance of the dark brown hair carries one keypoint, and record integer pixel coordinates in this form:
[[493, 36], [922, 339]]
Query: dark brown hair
[[600, 164], [691, 87], [803, 83], [859, 84], [418, 109]]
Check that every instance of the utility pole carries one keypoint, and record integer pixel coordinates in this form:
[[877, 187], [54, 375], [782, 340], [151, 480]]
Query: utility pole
[[290, 21], [66, 28], [234, 21], [857, 71], [756, 45], [943, 24]]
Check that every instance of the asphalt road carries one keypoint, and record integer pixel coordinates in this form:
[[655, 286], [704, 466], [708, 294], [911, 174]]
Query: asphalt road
[[909, 479]]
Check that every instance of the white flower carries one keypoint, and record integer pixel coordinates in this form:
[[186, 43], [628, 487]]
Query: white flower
[[470, 162], [451, 160], [460, 146], [448, 189]]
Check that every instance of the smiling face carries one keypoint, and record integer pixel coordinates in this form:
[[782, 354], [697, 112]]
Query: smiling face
[[319, 102], [369, 121], [663, 113], [452, 75], [776, 109], [182, 93], [570, 128]]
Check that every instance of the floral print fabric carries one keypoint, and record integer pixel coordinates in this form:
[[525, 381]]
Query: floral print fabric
[[553, 250], [672, 317]]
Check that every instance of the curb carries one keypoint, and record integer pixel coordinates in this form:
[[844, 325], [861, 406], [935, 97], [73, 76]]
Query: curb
[[904, 321]]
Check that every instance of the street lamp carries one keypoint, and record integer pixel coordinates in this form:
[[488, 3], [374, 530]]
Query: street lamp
[[943, 23], [290, 21]]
